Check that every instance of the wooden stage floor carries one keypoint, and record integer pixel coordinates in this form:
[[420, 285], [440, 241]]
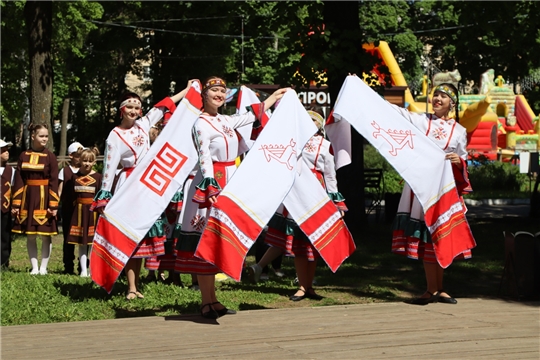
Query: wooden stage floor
[[472, 329]]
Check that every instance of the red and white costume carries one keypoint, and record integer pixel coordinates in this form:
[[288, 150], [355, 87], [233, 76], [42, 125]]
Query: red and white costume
[[219, 145], [411, 236], [125, 148]]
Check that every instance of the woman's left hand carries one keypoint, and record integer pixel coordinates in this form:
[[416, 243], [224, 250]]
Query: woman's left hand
[[280, 92], [276, 96], [212, 199], [454, 158]]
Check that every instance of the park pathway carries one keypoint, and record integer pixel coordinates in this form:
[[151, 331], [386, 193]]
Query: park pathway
[[473, 329]]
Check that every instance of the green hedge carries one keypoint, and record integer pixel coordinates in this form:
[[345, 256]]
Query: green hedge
[[499, 179], [489, 179]]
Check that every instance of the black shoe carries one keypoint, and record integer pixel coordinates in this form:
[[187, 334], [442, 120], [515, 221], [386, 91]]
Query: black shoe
[[298, 297], [424, 301], [210, 314], [310, 294], [446, 300], [224, 311]]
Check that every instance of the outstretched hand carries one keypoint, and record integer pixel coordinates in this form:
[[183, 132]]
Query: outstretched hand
[[277, 95]]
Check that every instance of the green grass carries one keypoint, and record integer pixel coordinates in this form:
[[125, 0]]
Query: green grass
[[371, 274]]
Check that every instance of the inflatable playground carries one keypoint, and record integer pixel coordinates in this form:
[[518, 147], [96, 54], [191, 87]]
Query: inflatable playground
[[500, 124]]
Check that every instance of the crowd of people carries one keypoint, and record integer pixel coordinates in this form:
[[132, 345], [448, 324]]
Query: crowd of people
[[34, 191]]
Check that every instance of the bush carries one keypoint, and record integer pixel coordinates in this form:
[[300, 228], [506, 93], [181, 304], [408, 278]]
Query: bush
[[496, 176]]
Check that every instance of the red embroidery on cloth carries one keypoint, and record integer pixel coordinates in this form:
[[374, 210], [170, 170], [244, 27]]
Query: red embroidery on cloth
[[198, 222], [280, 153], [396, 138], [163, 168], [439, 133]]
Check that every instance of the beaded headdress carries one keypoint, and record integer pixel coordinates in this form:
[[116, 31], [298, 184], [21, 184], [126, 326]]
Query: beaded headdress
[[448, 91], [214, 82], [133, 101]]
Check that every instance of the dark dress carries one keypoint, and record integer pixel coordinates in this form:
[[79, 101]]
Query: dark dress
[[83, 221], [35, 191]]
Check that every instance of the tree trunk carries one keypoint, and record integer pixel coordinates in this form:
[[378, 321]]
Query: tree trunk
[[341, 18], [63, 130], [38, 16]]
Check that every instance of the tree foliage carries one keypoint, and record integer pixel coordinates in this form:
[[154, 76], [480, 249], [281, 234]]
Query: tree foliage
[[96, 44]]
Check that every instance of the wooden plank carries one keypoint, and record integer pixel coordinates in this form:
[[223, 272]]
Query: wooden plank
[[473, 328]]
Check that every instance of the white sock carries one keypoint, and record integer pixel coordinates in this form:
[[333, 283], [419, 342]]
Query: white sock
[[46, 248], [31, 245], [83, 259]]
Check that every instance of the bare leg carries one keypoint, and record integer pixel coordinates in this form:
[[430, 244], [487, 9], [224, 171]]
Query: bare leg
[[271, 254], [208, 291], [303, 272], [431, 278], [133, 277], [440, 275]]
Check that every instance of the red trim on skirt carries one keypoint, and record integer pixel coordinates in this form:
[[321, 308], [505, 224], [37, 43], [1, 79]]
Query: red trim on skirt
[[415, 249], [162, 262], [187, 263], [148, 247], [291, 246]]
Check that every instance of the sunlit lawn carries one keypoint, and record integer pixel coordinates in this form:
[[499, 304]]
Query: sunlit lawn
[[371, 274]]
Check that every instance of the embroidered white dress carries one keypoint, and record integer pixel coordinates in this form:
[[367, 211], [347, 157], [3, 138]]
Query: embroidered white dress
[[411, 237], [125, 148], [219, 145]]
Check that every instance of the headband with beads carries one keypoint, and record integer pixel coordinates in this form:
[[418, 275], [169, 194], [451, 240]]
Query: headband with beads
[[132, 101], [212, 83]]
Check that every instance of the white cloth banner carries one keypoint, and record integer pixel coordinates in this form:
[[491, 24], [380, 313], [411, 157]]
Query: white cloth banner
[[416, 158], [257, 188]]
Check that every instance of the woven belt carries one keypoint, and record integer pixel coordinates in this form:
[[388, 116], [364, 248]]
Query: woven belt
[[225, 163], [84, 201], [37, 182]]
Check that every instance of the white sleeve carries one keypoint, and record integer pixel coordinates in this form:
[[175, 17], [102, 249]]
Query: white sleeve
[[237, 121], [461, 149], [61, 175], [111, 159], [202, 141], [152, 117], [329, 171]]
